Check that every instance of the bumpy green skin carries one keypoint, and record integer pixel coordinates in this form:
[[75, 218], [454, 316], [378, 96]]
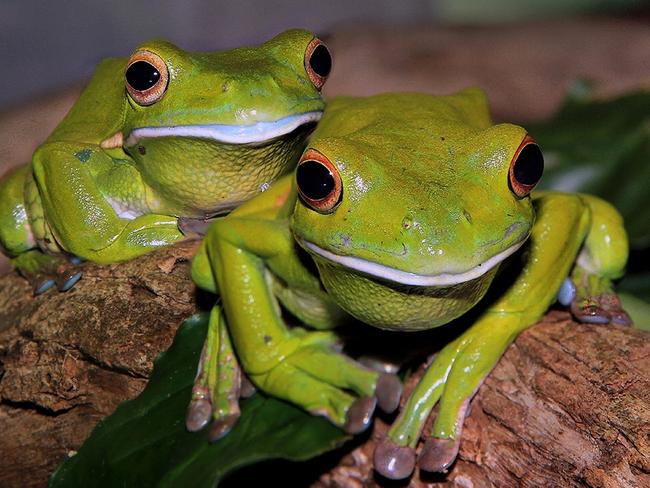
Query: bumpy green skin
[[87, 195], [425, 192]]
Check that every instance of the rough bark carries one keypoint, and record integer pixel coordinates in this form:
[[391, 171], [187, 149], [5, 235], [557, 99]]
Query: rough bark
[[68, 359], [568, 405]]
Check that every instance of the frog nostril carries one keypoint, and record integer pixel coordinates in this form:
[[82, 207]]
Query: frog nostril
[[467, 216]]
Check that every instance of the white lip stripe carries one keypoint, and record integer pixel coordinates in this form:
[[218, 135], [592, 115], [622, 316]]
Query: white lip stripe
[[406, 278], [231, 134]]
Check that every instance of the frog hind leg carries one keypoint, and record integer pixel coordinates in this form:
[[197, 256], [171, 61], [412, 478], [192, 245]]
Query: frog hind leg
[[17, 240], [601, 260], [457, 371], [16, 234], [218, 384], [293, 364], [21, 224]]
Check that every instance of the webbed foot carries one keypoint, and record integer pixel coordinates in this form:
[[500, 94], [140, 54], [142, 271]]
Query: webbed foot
[[394, 462], [217, 386], [451, 380], [44, 271], [325, 382], [593, 300]]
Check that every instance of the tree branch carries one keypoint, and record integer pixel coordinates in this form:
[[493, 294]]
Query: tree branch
[[568, 405]]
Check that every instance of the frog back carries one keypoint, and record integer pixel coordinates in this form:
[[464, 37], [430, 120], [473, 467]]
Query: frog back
[[100, 110]]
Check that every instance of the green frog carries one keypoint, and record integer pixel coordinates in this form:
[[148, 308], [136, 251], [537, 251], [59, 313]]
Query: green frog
[[158, 144], [400, 214]]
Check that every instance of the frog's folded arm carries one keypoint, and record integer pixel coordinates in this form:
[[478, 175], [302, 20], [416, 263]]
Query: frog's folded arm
[[81, 218]]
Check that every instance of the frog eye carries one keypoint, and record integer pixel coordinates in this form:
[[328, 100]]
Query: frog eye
[[526, 167], [146, 77], [318, 62], [319, 182]]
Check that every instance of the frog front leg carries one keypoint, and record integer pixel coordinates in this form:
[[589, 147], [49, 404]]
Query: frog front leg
[[82, 220], [563, 224]]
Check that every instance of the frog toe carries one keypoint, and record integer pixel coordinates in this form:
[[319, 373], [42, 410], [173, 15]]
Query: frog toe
[[359, 415], [193, 227], [199, 413], [222, 426], [589, 313], [621, 318], [393, 461], [247, 388], [67, 278], [388, 392], [438, 454], [567, 292], [42, 283], [600, 310]]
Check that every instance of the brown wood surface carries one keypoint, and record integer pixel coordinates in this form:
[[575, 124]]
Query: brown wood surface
[[568, 405], [68, 359]]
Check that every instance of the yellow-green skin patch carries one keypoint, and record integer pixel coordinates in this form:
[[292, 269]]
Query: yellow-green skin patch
[[102, 189]]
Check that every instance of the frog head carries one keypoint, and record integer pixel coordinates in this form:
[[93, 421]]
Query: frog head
[[409, 202], [209, 130]]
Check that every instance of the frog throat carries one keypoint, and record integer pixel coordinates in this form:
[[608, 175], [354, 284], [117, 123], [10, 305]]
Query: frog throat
[[407, 278], [256, 133]]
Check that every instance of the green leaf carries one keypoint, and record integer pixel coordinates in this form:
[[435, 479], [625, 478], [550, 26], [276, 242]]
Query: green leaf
[[603, 147], [144, 442], [638, 309]]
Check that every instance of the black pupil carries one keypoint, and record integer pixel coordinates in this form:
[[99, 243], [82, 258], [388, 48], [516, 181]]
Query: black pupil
[[529, 165], [142, 75], [315, 180], [321, 61]]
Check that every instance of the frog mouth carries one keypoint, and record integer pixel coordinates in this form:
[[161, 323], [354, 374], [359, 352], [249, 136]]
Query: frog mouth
[[413, 279], [256, 133]]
